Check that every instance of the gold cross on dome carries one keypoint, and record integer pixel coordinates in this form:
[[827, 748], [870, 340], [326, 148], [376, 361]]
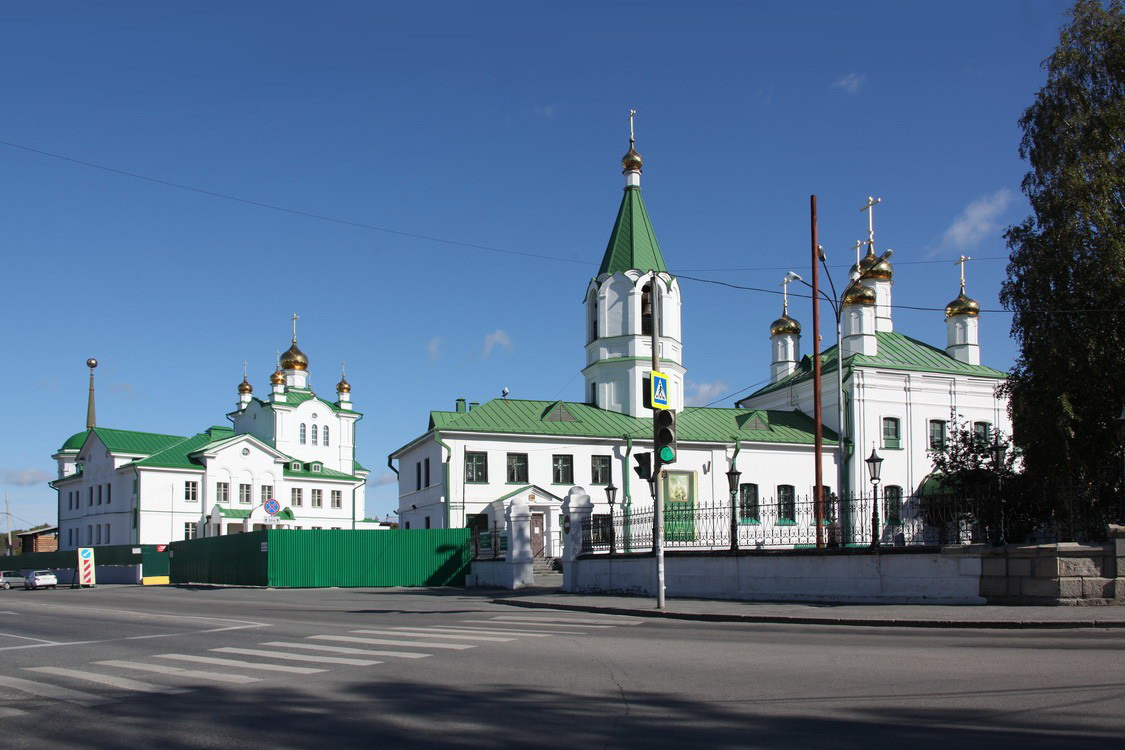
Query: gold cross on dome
[[869, 207], [632, 135], [785, 294], [961, 262], [295, 317]]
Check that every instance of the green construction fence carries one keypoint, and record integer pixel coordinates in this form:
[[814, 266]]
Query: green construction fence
[[292, 558], [152, 558]]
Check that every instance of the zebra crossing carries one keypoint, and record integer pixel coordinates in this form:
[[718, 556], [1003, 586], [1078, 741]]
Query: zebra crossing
[[104, 681]]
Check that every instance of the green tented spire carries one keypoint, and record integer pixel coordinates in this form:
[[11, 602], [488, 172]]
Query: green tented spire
[[632, 245]]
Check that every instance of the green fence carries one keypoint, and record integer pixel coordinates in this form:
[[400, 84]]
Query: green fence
[[289, 558], [154, 561]]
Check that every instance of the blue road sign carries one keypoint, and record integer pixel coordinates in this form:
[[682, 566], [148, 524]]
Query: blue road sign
[[272, 507], [659, 390]]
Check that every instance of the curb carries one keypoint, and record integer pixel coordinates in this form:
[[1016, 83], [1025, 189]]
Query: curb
[[883, 622]]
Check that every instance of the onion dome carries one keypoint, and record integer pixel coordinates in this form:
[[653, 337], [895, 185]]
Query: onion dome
[[244, 386], [278, 377], [858, 294], [294, 359], [871, 267], [784, 325], [963, 305], [343, 386], [631, 160]]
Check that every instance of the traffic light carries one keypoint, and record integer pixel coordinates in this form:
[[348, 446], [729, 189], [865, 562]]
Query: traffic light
[[644, 465], [664, 429]]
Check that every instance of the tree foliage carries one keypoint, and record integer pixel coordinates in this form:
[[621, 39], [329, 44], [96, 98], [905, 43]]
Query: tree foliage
[[1066, 272]]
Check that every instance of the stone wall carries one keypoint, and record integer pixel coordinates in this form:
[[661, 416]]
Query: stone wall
[[1066, 573]]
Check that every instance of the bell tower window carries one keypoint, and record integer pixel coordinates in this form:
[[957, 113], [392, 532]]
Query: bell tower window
[[592, 317], [646, 310]]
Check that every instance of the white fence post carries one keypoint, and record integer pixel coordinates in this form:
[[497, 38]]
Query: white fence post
[[520, 558], [577, 509]]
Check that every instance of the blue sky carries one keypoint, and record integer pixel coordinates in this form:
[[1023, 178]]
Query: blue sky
[[492, 124]]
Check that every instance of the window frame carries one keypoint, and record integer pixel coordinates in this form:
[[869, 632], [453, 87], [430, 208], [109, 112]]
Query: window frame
[[267, 492], [562, 468], [222, 492], [786, 495], [745, 516], [513, 461], [892, 442], [301, 434], [986, 433], [316, 498], [942, 439], [337, 498], [245, 493], [296, 497], [471, 462], [895, 518], [595, 471], [191, 491]]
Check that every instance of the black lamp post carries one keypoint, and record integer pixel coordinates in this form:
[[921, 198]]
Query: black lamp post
[[733, 475], [1119, 426], [999, 452], [611, 495], [874, 468]]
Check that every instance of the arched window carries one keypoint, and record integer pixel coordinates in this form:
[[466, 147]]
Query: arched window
[[302, 434], [314, 434], [646, 310], [592, 316], [892, 505], [325, 435]]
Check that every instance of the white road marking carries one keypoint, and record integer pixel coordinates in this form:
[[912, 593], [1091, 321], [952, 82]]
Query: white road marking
[[45, 690], [421, 633], [180, 671], [538, 633], [42, 641], [387, 642], [552, 619], [346, 650], [104, 679], [525, 623], [296, 657], [239, 663]]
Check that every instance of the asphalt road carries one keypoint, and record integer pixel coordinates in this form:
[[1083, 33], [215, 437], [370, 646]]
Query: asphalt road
[[118, 667]]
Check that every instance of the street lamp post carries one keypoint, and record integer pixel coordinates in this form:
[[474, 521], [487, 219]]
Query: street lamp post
[[1119, 425], [611, 495], [733, 475], [874, 468]]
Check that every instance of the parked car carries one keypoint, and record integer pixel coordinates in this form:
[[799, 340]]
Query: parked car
[[9, 578], [41, 579]]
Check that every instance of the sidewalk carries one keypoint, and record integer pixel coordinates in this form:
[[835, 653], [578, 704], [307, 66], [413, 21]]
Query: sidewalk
[[796, 613]]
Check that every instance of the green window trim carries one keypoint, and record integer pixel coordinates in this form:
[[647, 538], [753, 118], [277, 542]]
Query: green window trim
[[785, 522]]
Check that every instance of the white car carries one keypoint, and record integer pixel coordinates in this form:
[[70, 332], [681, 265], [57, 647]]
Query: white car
[[41, 579]]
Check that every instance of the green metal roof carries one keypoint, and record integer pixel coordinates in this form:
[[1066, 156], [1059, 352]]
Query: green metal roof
[[296, 396], [324, 473], [632, 244], [129, 441], [74, 442], [178, 455], [357, 466], [694, 424], [285, 515], [896, 352]]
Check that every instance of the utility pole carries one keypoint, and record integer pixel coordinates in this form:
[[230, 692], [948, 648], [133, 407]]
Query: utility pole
[[818, 472], [8, 516], [657, 469]]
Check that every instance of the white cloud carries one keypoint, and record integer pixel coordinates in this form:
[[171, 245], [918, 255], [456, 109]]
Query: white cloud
[[979, 220], [498, 338], [26, 477], [383, 479], [433, 348], [700, 394], [851, 83], [547, 110]]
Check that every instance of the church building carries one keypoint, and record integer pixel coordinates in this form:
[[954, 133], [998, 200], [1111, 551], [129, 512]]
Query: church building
[[128, 487]]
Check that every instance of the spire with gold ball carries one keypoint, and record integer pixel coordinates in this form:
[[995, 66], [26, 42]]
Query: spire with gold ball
[[245, 390], [344, 388], [962, 324], [785, 337], [295, 363]]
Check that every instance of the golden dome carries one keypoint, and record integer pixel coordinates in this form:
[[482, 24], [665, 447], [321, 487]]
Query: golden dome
[[278, 377], [784, 324], [343, 386], [632, 160], [244, 386], [294, 359], [963, 305], [873, 268], [858, 294]]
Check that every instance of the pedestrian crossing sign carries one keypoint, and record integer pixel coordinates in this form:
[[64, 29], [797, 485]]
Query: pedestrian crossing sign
[[659, 390]]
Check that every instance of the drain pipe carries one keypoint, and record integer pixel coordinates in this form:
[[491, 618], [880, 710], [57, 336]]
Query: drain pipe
[[445, 476]]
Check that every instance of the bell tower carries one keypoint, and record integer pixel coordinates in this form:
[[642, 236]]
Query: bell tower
[[632, 292]]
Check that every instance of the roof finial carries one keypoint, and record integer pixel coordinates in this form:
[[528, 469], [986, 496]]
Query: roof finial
[[90, 421], [962, 261], [869, 207], [785, 294], [632, 135], [632, 161], [343, 367], [244, 363], [295, 317]]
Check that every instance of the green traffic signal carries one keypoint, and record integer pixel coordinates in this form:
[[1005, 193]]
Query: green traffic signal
[[667, 455]]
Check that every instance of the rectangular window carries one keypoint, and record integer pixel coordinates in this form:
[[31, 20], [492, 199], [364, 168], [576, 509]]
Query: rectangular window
[[748, 503], [244, 494], [786, 503], [267, 492], [222, 492], [317, 498], [191, 491], [98, 532], [937, 433], [517, 468], [418, 475], [426, 473], [107, 539], [892, 505], [892, 435], [108, 493], [427, 522], [99, 494], [476, 466], [562, 469], [337, 499], [982, 431], [295, 497], [600, 470], [189, 530], [89, 496]]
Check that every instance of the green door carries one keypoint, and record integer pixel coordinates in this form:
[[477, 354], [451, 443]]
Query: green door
[[679, 506]]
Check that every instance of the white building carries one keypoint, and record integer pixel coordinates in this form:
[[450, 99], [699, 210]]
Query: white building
[[899, 394], [129, 487]]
